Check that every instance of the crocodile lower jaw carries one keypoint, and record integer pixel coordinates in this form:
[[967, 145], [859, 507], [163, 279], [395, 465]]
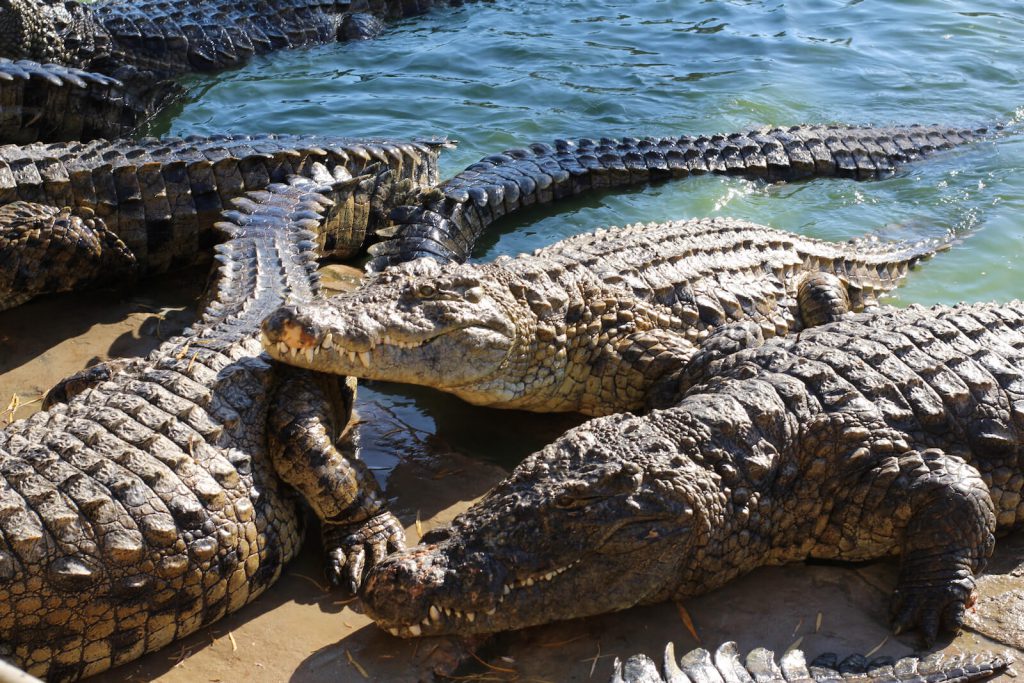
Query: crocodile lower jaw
[[441, 620]]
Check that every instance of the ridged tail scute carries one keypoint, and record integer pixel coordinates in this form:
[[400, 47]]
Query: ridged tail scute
[[54, 103], [162, 197], [874, 267], [761, 665], [258, 236], [446, 226]]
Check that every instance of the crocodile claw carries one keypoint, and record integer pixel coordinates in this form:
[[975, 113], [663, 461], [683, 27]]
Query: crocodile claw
[[930, 609], [348, 547]]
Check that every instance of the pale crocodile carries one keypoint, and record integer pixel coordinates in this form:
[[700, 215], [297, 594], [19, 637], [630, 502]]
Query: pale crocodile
[[590, 323]]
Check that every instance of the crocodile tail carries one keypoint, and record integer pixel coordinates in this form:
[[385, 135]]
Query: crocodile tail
[[760, 665], [870, 267], [501, 184]]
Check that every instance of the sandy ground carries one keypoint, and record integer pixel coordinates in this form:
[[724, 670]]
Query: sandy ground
[[300, 631]]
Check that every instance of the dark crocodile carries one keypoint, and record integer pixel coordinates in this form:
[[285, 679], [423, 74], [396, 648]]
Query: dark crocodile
[[160, 495], [448, 221], [724, 666], [893, 433], [590, 323], [140, 208], [169, 39], [59, 103]]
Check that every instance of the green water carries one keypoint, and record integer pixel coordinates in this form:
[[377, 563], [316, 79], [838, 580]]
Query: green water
[[494, 76]]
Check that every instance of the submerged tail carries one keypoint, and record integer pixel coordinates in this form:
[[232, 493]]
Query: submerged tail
[[871, 267]]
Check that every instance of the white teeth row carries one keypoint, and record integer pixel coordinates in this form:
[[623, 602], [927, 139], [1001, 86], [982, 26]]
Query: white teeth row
[[531, 580], [363, 357], [434, 614], [399, 343]]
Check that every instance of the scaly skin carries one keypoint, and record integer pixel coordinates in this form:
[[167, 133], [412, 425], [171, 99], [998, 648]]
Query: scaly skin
[[450, 219], [724, 665], [892, 433], [161, 199], [157, 498], [589, 324], [58, 103], [166, 40]]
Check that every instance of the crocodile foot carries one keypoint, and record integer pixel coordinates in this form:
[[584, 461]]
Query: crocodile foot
[[931, 608], [347, 546]]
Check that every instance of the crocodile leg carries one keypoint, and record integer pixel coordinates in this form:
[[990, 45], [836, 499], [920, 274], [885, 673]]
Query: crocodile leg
[[55, 250], [89, 378], [822, 298], [306, 416], [948, 540]]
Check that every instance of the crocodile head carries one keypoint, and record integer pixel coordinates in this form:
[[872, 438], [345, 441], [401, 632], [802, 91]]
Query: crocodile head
[[34, 29], [458, 328], [578, 529]]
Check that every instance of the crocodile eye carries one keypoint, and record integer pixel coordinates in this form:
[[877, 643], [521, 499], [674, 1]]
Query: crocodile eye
[[426, 291], [569, 501]]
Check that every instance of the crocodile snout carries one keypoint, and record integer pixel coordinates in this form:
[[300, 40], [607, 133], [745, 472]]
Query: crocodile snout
[[286, 326]]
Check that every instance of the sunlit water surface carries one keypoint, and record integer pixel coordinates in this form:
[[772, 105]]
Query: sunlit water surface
[[500, 75]]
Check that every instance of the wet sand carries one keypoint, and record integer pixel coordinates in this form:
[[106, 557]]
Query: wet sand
[[300, 631]]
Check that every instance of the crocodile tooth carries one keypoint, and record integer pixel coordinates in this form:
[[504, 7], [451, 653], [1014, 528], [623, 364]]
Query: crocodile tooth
[[550, 575], [364, 358], [310, 355], [426, 621], [295, 352], [415, 630], [491, 611], [471, 616], [447, 611], [351, 357], [529, 581], [434, 613], [508, 589], [282, 348], [328, 341], [393, 631]]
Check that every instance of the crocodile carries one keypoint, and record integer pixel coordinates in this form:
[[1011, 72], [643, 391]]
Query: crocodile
[[58, 103], [168, 40], [725, 665], [897, 432], [590, 323], [111, 210], [152, 497], [447, 220]]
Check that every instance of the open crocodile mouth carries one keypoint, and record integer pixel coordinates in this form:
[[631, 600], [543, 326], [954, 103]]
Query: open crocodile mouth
[[296, 345], [327, 344], [441, 619]]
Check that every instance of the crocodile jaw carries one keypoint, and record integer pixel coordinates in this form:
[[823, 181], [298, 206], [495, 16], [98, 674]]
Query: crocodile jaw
[[335, 337], [571, 533]]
